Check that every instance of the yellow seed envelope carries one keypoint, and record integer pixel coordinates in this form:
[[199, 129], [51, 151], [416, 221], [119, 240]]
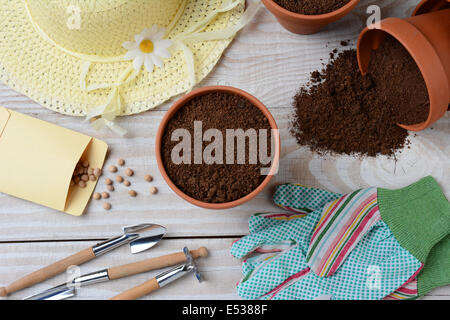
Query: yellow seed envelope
[[37, 161]]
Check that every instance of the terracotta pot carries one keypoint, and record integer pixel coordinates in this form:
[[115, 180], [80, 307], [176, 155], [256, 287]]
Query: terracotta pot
[[426, 37], [180, 103], [426, 6], [307, 24]]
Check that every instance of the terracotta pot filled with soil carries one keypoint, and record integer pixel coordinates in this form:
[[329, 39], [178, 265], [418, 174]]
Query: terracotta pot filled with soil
[[213, 147], [341, 111], [425, 37], [308, 16]]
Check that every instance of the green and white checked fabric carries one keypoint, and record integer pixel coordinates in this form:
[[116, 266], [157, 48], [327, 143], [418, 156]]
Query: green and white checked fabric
[[302, 199], [375, 268]]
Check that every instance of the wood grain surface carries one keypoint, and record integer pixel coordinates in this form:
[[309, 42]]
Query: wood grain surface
[[269, 63]]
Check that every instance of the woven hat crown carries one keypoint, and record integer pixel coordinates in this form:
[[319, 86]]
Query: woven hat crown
[[99, 27]]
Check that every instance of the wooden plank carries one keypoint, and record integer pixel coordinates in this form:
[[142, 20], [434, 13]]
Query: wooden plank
[[20, 220], [220, 271]]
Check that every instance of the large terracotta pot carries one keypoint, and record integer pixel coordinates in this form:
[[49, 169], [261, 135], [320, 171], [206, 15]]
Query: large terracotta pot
[[307, 24], [426, 36], [180, 103]]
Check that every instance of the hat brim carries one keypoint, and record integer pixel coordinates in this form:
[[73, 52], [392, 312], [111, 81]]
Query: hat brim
[[33, 66]]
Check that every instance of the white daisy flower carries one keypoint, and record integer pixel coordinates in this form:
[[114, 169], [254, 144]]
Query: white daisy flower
[[149, 48]]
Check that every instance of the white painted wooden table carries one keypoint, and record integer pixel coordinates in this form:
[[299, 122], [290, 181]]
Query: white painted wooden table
[[271, 64]]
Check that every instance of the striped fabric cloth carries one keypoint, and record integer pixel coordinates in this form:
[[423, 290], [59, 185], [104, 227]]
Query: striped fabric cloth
[[343, 223], [288, 282], [407, 292]]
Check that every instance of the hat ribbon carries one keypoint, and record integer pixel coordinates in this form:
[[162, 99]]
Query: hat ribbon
[[195, 34]]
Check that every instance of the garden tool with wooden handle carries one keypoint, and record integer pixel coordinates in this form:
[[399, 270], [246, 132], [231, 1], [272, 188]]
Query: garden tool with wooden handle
[[162, 279], [68, 290], [140, 237]]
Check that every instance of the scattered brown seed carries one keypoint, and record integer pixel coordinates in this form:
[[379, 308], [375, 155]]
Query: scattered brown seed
[[148, 178], [97, 196], [92, 177], [85, 163], [132, 193], [127, 183], [107, 206], [105, 195], [76, 179], [108, 181], [112, 169], [119, 179], [72, 183], [82, 184], [90, 171], [129, 172], [153, 190], [97, 172], [121, 162], [110, 188], [85, 177]]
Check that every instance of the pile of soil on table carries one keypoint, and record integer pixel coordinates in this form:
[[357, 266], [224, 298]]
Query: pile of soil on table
[[340, 111], [312, 7], [216, 183]]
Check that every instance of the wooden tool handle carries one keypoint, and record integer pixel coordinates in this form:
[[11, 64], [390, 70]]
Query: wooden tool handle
[[153, 264], [48, 272], [139, 291]]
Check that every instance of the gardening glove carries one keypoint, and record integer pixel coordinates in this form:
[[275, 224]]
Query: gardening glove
[[281, 270], [435, 274], [344, 250], [302, 204]]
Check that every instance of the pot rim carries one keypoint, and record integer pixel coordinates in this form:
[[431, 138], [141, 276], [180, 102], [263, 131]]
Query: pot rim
[[294, 15], [421, 8], [178, 105], [426, 59]]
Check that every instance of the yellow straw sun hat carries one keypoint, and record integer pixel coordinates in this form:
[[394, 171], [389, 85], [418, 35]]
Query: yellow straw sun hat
[[106, 58]]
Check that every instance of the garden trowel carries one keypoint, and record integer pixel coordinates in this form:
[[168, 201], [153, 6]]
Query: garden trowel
[[140, 237], [69, 289]]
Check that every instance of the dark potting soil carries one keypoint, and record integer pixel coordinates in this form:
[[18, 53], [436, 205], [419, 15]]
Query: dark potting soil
[[312, 7], [215, 183], [399, 83], [343, 112]]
